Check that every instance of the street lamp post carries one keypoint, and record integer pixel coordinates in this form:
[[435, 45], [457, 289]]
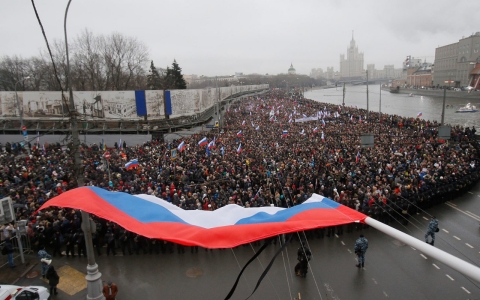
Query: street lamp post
[[20, 111], [93, 277], [368, 108]]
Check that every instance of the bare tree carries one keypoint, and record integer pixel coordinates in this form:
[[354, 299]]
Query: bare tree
[[89, 66], [124, 58], [12, 70], [113, 62]]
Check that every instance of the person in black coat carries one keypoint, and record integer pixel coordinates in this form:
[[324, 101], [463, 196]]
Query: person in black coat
[[53, 279]]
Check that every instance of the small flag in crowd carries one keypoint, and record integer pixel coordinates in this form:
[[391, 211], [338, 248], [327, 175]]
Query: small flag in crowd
[[315, 130], [357, 158], [360, 119], [239, 133], [43, 148], [285, 133], [323, 122], [243, 123], [323, 137], [207, 152], [131, 164], [222, 150], [258, 127], [181, 147], [419, 114], [211, 144], [351, 118], [303, 132], [272, 118], [239, 149], [203, 142]]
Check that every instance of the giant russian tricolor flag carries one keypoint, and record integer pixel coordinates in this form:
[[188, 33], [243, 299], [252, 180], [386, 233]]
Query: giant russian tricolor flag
[[227, 227]]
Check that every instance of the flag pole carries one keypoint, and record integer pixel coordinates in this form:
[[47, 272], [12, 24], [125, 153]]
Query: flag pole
[[453, 262]]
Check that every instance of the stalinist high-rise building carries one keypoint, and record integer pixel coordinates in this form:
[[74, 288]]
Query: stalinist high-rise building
[[352, 66]]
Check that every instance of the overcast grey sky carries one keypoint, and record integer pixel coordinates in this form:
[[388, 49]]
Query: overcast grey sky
[[220, 37]]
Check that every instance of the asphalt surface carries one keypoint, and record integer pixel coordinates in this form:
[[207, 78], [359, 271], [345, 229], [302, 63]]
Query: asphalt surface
[[392, 270]]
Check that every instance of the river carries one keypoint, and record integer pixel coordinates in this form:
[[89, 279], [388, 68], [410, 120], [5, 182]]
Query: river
[[399, 104]]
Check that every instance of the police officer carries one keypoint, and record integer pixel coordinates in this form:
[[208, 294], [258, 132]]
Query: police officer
[[432, 228], [361, 246], [303, 256]]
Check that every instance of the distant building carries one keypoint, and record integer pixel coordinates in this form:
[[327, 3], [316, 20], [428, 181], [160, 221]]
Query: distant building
[[292, 70], [352, 66], [420, 76], [317, 73], [455, 64]]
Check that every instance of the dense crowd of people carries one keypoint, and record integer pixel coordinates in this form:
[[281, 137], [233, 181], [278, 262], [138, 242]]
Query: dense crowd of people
[[265, 154]]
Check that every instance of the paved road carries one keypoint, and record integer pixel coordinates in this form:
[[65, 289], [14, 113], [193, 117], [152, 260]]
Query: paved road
[[392, 271]]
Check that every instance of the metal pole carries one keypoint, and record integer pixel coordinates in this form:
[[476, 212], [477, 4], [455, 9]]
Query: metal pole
[[93, 277], [380, 102], [20, 112], [367, 96], [343, 101], [443, 106], [453, 262]]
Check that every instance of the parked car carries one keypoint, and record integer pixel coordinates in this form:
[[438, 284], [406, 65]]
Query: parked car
[[12, 292], [457, 89]]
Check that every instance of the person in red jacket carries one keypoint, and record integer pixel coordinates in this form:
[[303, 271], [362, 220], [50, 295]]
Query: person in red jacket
[[110, 291]]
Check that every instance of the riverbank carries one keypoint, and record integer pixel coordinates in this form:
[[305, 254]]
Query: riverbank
[[438, 93]]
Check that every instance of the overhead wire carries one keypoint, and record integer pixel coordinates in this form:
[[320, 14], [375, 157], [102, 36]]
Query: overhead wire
[[303, 248]]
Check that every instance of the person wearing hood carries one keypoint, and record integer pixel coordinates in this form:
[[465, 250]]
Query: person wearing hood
[[53, 280]]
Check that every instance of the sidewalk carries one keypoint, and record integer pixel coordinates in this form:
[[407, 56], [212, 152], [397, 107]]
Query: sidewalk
[[11, 275]]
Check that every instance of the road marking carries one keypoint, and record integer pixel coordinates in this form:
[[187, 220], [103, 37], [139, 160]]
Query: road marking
[[469, 245], [342, 243], [468, 292], [336, 235], [463, 212], [470, 193], [349, 250], [423, 256], [450, 277], [425, 218], [457, 237], [472, 214], [385, 293], [330, 290], [450, 203], [445, 230], [374, 281], [438, 268], [413, 248]]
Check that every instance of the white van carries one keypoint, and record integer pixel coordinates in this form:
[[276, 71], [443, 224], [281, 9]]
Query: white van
[[14, 292]]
